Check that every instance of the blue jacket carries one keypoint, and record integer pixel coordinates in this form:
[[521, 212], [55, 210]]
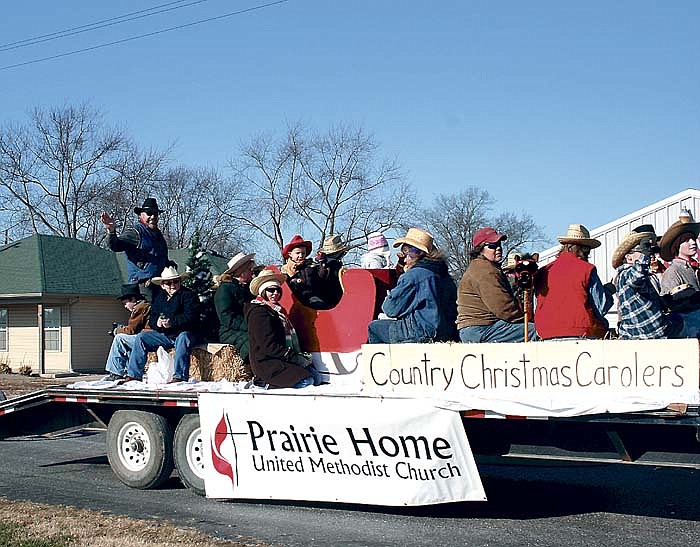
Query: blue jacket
[[424, 303], [146, 251]]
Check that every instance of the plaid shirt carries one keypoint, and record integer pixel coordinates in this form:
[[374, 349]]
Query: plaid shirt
[[639, 305]]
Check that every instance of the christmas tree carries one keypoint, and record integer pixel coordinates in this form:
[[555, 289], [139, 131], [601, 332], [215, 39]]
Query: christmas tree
[[201, 281]]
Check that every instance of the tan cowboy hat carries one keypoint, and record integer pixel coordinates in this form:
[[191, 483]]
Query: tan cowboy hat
[[169, 274], [265, 279], [415, 237], [237, 261], [332, 245], [629, 242], [578, 234], [677, 228]]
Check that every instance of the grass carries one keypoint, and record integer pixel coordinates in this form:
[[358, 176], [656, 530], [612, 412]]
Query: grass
[[24, 524]]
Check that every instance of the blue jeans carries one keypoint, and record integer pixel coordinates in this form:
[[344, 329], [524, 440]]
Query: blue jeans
[[378, 332], [119, 353], [691, 324], [500, 331], [150, 340]]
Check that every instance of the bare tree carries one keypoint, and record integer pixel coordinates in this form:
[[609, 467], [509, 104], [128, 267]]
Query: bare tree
[[192, 199], [319, 184], [56, 171], [453, 219]]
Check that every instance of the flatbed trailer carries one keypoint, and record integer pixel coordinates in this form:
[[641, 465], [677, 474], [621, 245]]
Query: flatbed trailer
[[150, 433]]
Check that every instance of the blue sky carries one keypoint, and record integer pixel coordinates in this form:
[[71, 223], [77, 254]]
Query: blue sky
[[575, 112]]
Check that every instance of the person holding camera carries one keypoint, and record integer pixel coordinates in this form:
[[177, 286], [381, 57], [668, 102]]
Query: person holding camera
[[487, 309], [640, 308], [124, 336], [571, 299]]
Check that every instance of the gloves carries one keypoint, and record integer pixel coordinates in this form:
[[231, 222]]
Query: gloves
[[645, 247], [301, 359]]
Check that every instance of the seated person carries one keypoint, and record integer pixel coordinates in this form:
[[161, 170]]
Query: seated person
[[330, 261], [378, 255], [421, 308], [124, 336], [679, 246], [275, 356], [487, 309], [311, 282], [230, 297], [640, 307], [174, 320], [571, 299]]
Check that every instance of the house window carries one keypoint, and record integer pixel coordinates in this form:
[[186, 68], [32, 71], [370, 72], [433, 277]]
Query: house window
[[3, 329], [52, 329]]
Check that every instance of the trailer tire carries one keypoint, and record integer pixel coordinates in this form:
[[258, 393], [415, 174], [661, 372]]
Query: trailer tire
[[189, 454], [140, 448]]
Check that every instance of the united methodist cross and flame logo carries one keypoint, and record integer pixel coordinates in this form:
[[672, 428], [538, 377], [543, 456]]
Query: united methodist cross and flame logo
[[222, 465]]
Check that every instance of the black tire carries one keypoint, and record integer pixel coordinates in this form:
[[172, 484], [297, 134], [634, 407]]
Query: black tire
[[140, 448], [189, 454]]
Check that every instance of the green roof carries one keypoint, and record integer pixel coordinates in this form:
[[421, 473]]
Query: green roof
[[218, 263], [44, 264]]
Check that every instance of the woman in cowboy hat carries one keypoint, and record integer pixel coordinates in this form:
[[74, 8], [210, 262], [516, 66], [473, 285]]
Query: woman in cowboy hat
[[487, 308], [230, 297], [308, 280], [144, 245], [275, 356], [571, 299], [679, 246], [421, 308]]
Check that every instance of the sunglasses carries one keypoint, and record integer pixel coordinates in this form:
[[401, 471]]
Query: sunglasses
[[274, 289], [493, 246]]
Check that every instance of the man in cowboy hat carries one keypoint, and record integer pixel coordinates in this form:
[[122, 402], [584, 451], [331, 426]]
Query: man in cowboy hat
[[679, 246], [639, 305], [421, 308], [124, 336], [487, 309], [230, 297], [174, 320], [144, 245], [571, 299], [330, 267]]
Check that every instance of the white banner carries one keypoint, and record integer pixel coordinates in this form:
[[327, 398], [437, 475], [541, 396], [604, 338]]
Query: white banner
[[339, 449], [539, 378]]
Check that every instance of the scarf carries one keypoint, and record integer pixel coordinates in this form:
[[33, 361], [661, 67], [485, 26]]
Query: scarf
[[690, 261], [290, 335]]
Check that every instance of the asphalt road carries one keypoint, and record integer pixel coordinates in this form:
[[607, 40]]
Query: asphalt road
[[538, 504]]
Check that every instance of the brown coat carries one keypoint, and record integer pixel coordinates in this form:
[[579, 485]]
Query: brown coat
[[484, 296], [138, 320]]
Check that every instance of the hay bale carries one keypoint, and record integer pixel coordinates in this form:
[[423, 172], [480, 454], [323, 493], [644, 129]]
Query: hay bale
[[213, 362]]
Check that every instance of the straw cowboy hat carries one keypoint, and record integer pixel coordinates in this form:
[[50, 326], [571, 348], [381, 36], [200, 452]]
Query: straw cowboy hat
[[266, 279], [674, 231], [296, 241], [578, 234], [169, 274], [333, 245], [629, 242], [415, 237], [237, 261], [150, 205]]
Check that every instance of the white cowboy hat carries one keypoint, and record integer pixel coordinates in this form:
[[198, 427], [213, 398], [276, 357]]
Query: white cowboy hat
[[578, 234], [266, 279], [237, 261], [169, 274]]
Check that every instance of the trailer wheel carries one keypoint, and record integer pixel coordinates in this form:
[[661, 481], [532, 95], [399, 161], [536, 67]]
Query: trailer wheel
[[189, 454], [140, 448]]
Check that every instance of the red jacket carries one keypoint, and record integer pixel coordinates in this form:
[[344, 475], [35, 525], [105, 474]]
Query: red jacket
[[563, 303]]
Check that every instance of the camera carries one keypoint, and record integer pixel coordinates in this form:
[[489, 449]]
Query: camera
[[525, 268]]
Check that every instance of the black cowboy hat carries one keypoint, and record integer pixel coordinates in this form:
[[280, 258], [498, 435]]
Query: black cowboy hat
[[129, 290], [150, 205]]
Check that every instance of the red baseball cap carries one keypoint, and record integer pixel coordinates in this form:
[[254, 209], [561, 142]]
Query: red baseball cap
[[487, 235]]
